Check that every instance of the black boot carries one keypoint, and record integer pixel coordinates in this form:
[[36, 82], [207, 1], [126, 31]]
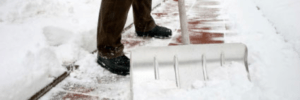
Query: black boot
[[119, 65], [157, 32]]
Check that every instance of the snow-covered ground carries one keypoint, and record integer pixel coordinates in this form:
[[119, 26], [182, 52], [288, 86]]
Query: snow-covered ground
[[284, 16], [38, 36], [274, 63]]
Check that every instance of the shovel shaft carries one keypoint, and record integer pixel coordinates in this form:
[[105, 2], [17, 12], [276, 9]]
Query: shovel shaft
[[183, 22]]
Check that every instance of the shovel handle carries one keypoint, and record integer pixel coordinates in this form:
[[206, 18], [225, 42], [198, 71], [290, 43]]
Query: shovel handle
[[183, 22]]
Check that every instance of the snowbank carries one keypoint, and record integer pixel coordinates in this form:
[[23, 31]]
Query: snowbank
[[39, 36]]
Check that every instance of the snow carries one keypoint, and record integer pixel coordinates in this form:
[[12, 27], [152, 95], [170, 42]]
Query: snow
[[37, 39], [284, 16], [229, 82], [273, 62], [56, 36], [39, 36]]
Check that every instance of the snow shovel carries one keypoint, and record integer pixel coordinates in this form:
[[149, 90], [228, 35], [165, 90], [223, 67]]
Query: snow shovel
[[182, 64]]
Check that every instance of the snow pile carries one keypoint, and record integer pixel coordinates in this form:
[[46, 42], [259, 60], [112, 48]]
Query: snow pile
[[229, 82], [38, 37], [56, 36], [36, 71], [69, 46]]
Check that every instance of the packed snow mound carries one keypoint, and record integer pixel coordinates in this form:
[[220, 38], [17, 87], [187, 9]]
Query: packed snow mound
[[70, 46], [56, 36], [44, 60], [38, 68], [87, 40], [38, 37]]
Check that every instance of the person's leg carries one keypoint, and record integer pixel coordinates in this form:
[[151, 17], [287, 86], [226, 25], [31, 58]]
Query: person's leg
[[112, 18], [143, 21]]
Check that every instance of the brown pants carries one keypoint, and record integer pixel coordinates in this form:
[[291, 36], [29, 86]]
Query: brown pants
[[112, 18]]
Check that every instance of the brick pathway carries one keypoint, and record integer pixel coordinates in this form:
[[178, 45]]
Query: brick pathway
[[205, 24]]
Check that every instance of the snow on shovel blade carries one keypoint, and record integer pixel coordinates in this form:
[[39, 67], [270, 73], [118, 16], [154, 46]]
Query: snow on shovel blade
[[182, 64]]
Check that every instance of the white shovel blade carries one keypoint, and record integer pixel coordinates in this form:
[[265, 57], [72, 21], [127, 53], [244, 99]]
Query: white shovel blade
[[191, 60]]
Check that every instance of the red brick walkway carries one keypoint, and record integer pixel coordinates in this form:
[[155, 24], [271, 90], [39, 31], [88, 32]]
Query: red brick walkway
[[204, 24]]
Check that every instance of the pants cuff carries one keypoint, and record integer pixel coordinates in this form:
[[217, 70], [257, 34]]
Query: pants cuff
[[110, 52]]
